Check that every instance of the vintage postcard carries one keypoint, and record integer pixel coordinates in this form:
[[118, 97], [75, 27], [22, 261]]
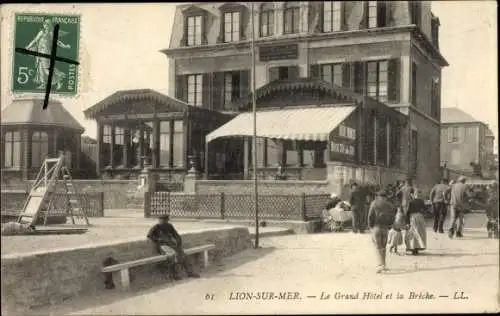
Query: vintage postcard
[[209, 158]]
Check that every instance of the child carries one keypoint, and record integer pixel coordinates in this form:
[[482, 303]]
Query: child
[[395, 237]]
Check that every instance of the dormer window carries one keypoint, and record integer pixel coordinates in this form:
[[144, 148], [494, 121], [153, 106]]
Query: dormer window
[[267, 19], [291, 19], [232, 26], [233, 20], [194, 30], [332, 16], [194, 27]]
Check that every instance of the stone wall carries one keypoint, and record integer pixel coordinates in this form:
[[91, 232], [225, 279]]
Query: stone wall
[[117, 193], [41, 279], [264, 187]]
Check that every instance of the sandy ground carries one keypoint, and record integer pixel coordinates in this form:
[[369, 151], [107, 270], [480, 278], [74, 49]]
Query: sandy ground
[[450, 276], [114, 227]]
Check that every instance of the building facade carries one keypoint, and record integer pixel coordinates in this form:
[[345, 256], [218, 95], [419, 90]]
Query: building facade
[[31, 134], [383, 51], [465, 141]]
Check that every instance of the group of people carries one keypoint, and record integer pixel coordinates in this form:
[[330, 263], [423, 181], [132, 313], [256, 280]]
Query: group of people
[[400, 208], [392, 212]]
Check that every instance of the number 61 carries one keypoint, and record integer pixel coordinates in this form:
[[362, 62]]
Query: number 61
[[23, 75]]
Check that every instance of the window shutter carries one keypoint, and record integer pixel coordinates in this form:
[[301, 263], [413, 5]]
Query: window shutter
[[218, 91], [204, 23], [359, 77], [346, 75], [364, 17], [321, 12], [244, 15], [273, 74], [244, 86], [381, 14], [293, 72], [206, 81], [389, 19], [314, 72], [394, 76], [180, 86], [343, 20]]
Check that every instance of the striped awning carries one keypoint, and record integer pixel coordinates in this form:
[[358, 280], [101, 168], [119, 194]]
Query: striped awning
[[296, 124]]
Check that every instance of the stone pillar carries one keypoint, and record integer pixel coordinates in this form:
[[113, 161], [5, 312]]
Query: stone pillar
[[147, 182], [191, 176], [335, 176]]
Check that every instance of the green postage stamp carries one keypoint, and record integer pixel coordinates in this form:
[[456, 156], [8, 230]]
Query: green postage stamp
[[35, 32]]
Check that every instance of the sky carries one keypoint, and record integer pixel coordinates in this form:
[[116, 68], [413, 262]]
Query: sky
[[119, 49]]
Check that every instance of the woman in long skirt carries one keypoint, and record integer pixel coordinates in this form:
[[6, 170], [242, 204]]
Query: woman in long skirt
[[416, 234]]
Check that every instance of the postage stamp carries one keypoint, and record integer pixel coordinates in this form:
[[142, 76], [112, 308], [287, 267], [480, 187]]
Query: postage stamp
[[35, 32]]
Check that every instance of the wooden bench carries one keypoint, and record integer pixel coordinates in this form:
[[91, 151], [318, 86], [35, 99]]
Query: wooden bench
[[124, 267]]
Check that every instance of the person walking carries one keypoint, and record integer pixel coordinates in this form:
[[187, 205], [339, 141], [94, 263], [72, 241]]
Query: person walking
[[357, 200], [439, 200], [381, 216], [459, 201], [416, 234]]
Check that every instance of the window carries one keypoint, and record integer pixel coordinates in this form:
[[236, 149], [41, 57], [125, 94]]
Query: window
[[194, 90], [133, 152], [273, 152], [377, 80], [194, 32], [377, 14], [165, 143], [232, 82], [453, 134], [291, 19], [231, 26], [267, 19], [414, 84], [148, 142], [283, 73], [372, 14], [178, 154], [106, 147], [332, 73], [12, 150], [119, 143], [332, 16], [39, 148], [292, 154]]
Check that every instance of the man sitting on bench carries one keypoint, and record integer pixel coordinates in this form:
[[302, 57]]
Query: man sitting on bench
[[166, 238]]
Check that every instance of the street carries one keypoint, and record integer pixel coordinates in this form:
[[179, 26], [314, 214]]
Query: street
[[327, 273]]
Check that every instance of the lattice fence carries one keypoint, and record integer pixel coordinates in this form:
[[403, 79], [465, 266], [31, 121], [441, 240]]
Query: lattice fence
[[314, 204], [226, 205]]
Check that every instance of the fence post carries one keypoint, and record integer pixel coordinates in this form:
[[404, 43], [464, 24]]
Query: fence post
[[222, 205], [303, 206], [147, 205], [101, 203]]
